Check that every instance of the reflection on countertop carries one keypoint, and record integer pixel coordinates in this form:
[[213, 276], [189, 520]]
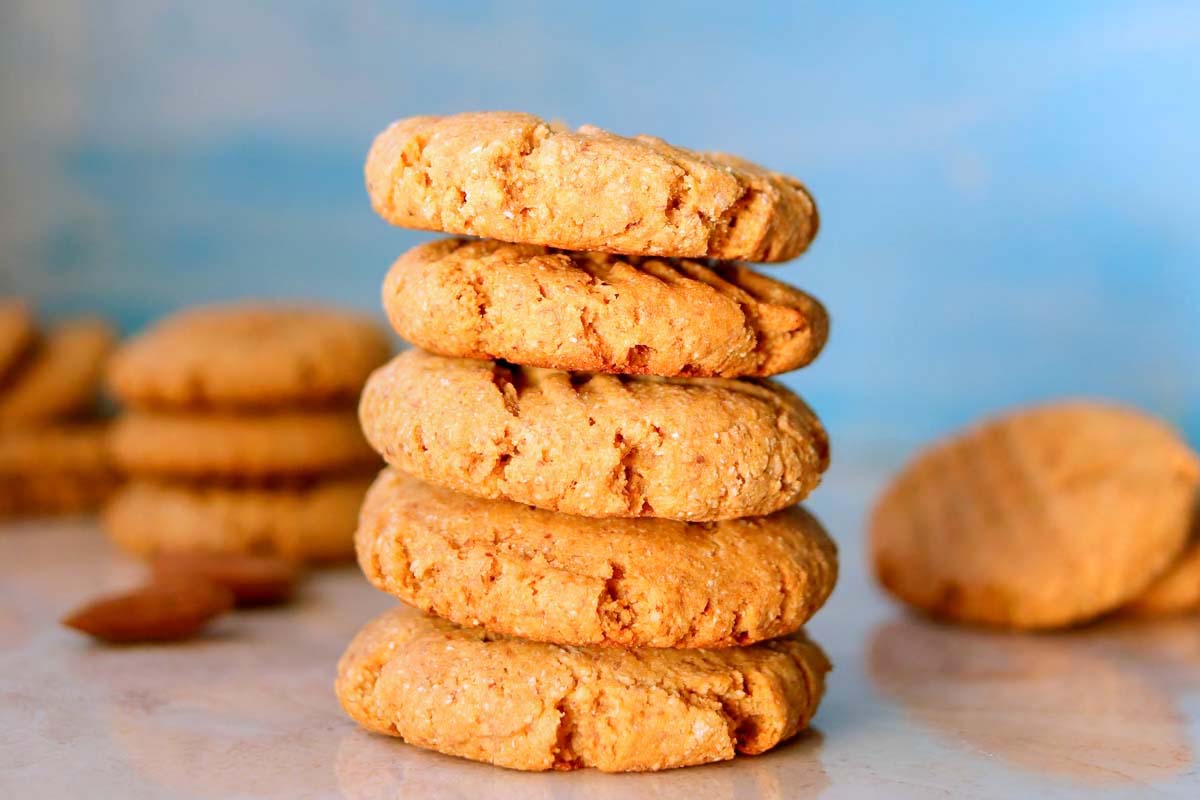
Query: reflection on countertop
[[1088, 705]]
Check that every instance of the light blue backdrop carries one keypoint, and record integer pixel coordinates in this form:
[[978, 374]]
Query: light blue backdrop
[[1010, 191]]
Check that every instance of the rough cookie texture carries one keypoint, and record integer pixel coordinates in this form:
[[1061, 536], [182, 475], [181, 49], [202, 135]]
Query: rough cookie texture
[[537, 706], [513, 177], [573, 580], [600, 313], [249, 357], [17, 333], [1176, 592], [1040, 519], [55, 469], [597, 445], [60, 379], [243, 446], [315, 523]]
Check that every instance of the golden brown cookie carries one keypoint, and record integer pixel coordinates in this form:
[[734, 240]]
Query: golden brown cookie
[[512, 177], [241, 446], [56, 469], [249, 357], [597, 445], [594, 312], [573, 580], [1039, 519], [60, 379], [17, 333], [314, 523], [537, 706], [1175, 592]]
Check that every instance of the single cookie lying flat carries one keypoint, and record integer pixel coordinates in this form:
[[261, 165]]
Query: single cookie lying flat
[[600, 313], [60, 379], [249, 446], [17, 333], [512, 177], [55, 469], [536, 706], [573, 580], [249, 357], [597, 445], [315, 523], [1041, 519]]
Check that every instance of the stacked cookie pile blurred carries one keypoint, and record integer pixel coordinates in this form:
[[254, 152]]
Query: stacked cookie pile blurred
[[53, 452], [593, 484], [239, 434]]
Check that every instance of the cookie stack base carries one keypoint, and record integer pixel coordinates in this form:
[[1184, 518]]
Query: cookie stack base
[[536, 706]]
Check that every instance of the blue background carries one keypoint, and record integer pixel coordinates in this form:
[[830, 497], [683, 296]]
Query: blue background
[[1010, 192]]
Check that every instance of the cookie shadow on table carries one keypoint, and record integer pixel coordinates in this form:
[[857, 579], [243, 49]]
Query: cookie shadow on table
[[1096, 706], [370, 765]]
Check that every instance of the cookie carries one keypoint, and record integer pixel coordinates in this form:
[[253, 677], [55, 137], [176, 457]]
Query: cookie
[[17, 333], [573, 580], [56, 469], [1175, 592], [313, 523], [1040, 519], [537, 706], [240, 446], [249, 357], [513, 177], [596, 445], [60, 379], [600, 313]]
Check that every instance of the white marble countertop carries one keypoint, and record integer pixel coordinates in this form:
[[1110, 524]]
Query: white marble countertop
[[913, 710]]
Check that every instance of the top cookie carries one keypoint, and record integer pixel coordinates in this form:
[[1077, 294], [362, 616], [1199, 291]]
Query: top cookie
[[1040, 519], [513, 177], [594, 312], [249, 357], [60, 378], [16, 333]]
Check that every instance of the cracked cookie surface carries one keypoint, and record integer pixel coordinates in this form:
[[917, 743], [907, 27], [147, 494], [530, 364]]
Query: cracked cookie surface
[[513, 177], [538, 706], [697, 449], [555, 577], [1039, 519], [240, 446], [313, 523], [600, 313], [247, 356]]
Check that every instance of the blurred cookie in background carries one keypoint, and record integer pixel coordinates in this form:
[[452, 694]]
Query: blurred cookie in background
[[311, 523], [1044, 518], [17, 333], [240, 433], [57, 469], [54, 455], [60, 377], [238, 447], [250, 356]]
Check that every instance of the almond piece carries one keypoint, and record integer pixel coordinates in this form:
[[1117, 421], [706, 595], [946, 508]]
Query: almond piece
[[156, 612], [254, 580]]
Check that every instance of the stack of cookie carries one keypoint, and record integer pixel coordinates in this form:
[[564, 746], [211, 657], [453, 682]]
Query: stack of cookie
[[592, 485], [53, 451], [241, 435]]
